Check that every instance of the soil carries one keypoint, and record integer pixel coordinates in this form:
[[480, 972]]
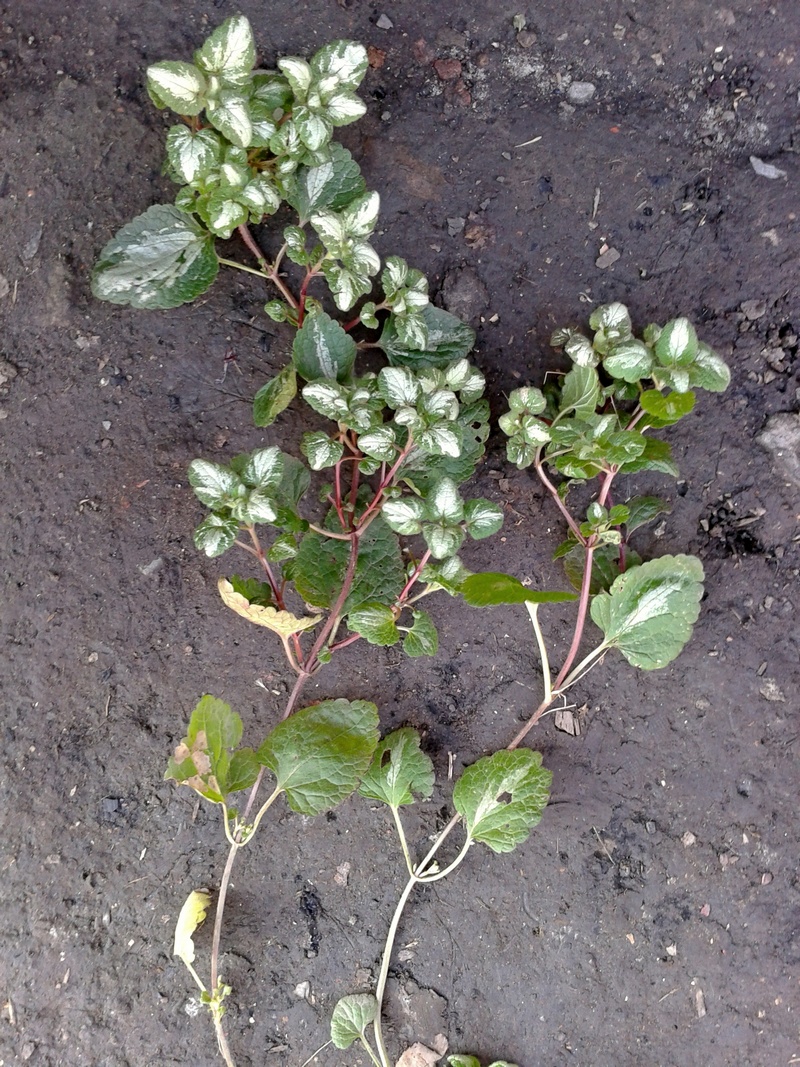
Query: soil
[[654, 916]]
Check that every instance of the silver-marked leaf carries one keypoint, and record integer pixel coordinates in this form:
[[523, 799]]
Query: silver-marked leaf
[[342, 64], [449, 339], [320, 450], [228, 112], [490, 588], [448, 575], [320, 754], [344, 108], [274, 397], [650, 610], [483, 518], [351, 1017], [709, 371], [298, 74], [314, 129], [264, 468], [405, 515], [360, 216], [327, 398], [520, 452], [502, 797], [441, 440], [230, 52], [346, 285], [177, 85], [191, 155], [676, 344], [222, 213], [161, 259], [400, 771], [322, 349], [257, 507], [580, 392], [610, 317], [398, 387], [378, 443], [260, 196], [422, 639], [375, 623], [442, 540], [444, 503], [216, 535], [580, 351], [214, 485], [629, 360]]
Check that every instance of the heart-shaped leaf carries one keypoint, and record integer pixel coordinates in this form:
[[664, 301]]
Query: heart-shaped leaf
[[502, 797], [351, 1017], [400, 770]]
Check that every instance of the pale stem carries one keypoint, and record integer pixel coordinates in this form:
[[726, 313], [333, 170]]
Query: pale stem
[[403, 842], [370, 1052], [195, 975], [314, 1055], [222, 1040], [533, 611], [554, 493], [585, 665], [583, 604], [223, 892], [437, 877], [241, 266], [263, 811]]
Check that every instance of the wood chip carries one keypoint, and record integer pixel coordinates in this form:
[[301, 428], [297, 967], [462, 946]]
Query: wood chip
[[607, 259], [699, 1003]]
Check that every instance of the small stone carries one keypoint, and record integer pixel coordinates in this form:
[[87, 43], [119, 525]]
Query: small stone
[[526, 39], [699, 1003], [771, 691], [744, 787], [342, 874], [607, 258], [766, 170], [455, 226], [31, 246], [753, 309], [581, 92], [447, 69], [766, 877], [781, 437], [650, 826], [688, 839], [5, 288], [384, 23]]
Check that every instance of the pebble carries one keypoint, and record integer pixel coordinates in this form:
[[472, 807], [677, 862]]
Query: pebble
[[607, 258], [384, 23], [581, 92]]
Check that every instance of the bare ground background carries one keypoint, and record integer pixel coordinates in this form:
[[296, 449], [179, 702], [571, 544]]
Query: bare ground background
[[612, 937]]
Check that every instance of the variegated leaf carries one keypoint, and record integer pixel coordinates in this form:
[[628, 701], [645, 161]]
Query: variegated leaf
[[180, 86], [230, 51], [192, 155]]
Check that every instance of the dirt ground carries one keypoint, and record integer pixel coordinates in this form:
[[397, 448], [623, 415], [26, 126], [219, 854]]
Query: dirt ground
[[654, 916]]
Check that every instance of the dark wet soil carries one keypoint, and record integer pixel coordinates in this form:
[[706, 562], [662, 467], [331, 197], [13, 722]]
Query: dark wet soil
[[654, 917]]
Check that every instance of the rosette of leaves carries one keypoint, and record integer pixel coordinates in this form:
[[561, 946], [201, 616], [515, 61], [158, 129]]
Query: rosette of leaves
[[597, 423], [247, 141]]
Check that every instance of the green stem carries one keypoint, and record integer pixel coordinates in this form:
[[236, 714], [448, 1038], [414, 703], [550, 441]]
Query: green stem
[[241, 266], [370, 1051]]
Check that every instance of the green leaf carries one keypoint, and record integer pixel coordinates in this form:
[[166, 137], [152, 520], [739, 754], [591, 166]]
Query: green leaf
[[375, 623], [442, 539], [344, 108], [202, 759], [666, 409], [650, 610], [449, 575], [334, 184], [229, 113], [449, 339], [709, 371], [440, 440], [282, 548], [320, 753], [314, 129], [629, 360], [444, 504], [340, 64], [502, 797], [463, 1061], [608, 317], [643, 509], [580, 351], [322, 349], [214, 485], [605, 566], [216, 535], [491, 588], [254, 591], [657, 456], [162, 259], [422, 639], [483, 518], [676, 344], [320, 450], [192, 155], [274, 397], [580, 392], [177, 85], [319, 568], [520, 452], [243, 770], [400, 771], [351, 1017], [230, 52]]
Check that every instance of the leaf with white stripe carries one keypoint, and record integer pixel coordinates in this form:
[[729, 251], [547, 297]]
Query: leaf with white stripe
[[444, 503], [359, 218], [344, 108], [404, 516], [298, 74], [192, 155], [177, 85], [320, 450], [398, 387], [341, 64], [378, 443], [230, 51], [228, 113]]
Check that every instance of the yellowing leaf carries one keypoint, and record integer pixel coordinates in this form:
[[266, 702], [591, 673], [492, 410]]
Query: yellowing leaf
[[280, 622], [192, 915]]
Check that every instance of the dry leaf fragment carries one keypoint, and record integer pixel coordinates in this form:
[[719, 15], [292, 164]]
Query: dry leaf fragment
[[280, 622], [192, 914], [766, 170]]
